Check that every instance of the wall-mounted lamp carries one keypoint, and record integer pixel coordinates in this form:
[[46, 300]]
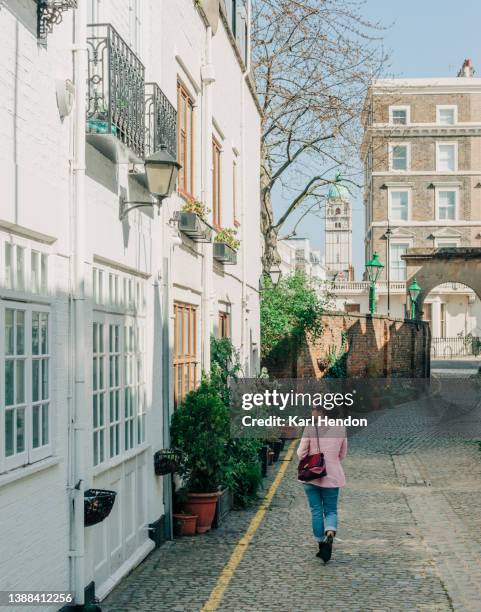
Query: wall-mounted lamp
[[161, 170]]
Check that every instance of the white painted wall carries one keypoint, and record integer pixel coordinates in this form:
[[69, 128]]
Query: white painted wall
[[36, 179]]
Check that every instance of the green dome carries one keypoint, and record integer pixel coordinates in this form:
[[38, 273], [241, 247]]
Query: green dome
[[337, 190]]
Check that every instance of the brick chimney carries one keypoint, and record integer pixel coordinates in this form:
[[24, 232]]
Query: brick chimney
[[467, 69]]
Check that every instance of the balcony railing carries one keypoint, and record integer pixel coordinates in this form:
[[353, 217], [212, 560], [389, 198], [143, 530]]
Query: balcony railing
[[161, 121], [116, 95]]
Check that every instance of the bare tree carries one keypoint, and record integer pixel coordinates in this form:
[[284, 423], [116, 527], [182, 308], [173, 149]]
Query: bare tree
[[312, 62]]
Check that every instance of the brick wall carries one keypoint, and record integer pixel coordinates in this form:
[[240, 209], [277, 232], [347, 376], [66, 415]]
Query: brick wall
[[376, 347]]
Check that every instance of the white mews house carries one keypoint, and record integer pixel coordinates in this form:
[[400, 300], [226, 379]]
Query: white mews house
[[105, 322]]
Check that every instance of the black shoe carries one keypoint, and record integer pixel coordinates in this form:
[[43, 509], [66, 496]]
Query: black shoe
[[325, 548]]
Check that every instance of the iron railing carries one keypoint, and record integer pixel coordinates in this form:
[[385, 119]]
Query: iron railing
[[160, 120], [49, 14], [458, 346], [116, 88]]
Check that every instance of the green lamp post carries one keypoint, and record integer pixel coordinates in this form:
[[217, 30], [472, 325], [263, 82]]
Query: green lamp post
[[374, 269], [414, 291]]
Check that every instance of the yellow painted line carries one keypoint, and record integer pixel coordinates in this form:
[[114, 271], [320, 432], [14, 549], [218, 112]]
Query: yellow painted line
[[240, 549]]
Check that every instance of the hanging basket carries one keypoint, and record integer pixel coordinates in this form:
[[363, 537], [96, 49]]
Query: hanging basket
[[98, 504], [166, 461]]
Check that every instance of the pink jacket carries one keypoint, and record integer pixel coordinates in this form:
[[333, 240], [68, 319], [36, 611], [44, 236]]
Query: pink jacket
[[334, 449]]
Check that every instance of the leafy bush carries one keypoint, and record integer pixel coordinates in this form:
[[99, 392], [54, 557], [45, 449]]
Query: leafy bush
[[200, 429], [289, 311], [243, 474]]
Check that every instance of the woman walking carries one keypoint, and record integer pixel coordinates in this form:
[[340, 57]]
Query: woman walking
[[323, 493]]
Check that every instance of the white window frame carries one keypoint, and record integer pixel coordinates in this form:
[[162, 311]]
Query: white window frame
[[440, 107], [408, 155], [118, 291], [392, 243], [29, 455], [406, 108], [391, 190], [455, 190], [452, 144], [443, 242], [45, 280]]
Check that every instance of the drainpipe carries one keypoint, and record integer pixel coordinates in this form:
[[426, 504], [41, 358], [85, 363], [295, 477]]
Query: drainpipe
[[208, 77], [244, 314], [77, 422]]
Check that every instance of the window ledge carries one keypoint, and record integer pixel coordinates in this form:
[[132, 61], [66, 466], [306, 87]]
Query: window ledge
[[28, 470]]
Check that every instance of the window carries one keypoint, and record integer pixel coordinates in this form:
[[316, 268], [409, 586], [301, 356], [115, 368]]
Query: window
[[224, 325], [446, 157], [117, 385], [446, 243], [185, 109], [442, 320], [99, 393], [446, 204], [25, 269], [398, 265], [399, 205], [352, 308], [216, 184], [399, 115], [118, 290], [428, 313], [25, 372], [185, 350], [399, 157], [447, 115]]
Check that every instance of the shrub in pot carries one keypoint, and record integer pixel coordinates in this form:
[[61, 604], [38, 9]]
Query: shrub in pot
[[243, 474], [200, 429]]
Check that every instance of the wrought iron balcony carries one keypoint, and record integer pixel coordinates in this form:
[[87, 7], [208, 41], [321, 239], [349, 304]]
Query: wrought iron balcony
[[161, 121], [116, 96], [225, 254], [49, 14]]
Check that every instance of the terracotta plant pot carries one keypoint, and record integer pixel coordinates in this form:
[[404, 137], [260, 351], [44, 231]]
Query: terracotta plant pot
[[186, 524], [203, 505]]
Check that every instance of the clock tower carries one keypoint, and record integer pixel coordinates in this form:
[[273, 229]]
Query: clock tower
[[338, 232]]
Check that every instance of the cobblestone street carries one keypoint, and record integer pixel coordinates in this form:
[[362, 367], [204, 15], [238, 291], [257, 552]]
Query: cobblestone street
[[409, 539]]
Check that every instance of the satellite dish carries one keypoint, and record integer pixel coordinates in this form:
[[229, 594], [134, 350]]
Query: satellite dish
[[65, 91]]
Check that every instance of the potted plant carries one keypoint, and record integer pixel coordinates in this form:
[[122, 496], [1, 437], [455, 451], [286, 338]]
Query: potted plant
[[185, 524], [227, 236], [200, 430], [196, 207]]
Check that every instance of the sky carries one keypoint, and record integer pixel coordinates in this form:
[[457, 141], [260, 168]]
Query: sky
[[424, 38]]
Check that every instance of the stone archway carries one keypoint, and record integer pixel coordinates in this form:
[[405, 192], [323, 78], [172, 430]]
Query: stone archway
[[433, 267]]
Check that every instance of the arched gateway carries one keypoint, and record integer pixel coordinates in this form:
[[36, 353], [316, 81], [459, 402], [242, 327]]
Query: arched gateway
[[433, 267]]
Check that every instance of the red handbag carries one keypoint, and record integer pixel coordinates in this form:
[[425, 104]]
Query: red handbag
[[312, 466]]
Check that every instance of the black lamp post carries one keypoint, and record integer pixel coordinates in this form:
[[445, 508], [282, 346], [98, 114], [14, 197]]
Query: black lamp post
[[161, 170]]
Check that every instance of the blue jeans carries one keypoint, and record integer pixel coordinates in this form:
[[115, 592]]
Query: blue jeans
[[323, 504]]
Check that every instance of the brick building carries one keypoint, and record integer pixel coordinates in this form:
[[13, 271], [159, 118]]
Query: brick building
[[422, 159]]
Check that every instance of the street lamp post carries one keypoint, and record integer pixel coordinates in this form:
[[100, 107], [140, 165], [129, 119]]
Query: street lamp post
[[374, 269], [414, 290]]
